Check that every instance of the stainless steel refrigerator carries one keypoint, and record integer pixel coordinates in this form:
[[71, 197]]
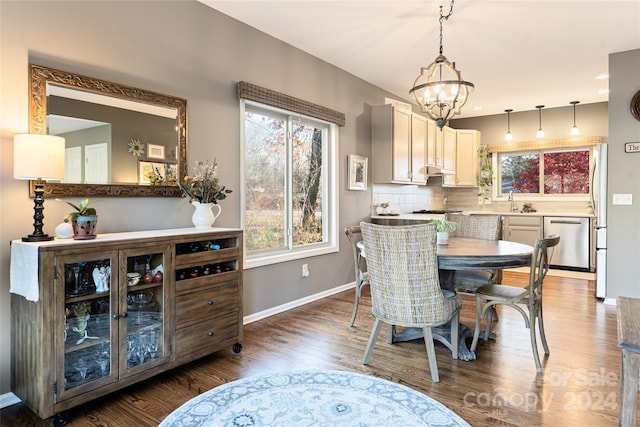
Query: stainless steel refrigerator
[[599, 203]]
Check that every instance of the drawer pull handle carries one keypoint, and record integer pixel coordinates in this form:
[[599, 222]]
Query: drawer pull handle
[[209, 302], [116, 316], [210, 333], [124, 315]]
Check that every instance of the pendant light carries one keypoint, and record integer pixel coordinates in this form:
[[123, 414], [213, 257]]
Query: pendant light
[[574, 130], [540, 133], [439, 89], [508, 136]]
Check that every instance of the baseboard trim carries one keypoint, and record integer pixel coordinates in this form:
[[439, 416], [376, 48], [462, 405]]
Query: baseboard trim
[[8, 399], [610, 301], [296, 303]]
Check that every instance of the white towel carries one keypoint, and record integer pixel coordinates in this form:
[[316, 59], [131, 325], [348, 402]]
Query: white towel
[[23, 277]]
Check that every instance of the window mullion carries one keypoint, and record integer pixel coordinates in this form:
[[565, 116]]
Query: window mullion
[[289, 184]]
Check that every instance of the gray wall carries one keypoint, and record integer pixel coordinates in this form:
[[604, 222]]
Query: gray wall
[[188, 50], [623, 257]]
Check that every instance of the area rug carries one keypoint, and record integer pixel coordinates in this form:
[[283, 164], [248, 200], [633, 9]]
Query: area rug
[[312, 398]]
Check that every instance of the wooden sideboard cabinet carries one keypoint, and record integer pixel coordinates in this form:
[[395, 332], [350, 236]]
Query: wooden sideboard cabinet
[[119, 309]]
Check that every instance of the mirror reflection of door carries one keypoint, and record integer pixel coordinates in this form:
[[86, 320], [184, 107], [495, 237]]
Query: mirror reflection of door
[[96, 163], [73, 165]]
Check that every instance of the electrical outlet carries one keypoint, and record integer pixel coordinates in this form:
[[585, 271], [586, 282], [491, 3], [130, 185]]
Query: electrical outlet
[[305, 270]]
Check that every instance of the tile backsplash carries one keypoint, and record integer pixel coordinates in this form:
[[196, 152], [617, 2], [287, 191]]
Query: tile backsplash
[[408, 198]]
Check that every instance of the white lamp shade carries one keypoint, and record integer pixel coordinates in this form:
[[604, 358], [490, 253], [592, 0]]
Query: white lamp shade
[[38, 156]]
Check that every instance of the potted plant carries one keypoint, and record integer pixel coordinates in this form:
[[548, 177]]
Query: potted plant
[[84, 220], [443, 228], [485, 177]]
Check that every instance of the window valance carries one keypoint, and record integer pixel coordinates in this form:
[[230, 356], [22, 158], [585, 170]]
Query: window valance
[[510, 147], [276, 99]]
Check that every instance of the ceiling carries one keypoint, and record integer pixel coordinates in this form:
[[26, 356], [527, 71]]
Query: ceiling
[[517, 53]]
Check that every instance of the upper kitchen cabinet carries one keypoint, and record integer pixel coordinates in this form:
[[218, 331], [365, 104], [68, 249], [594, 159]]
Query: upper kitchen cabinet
[[399, 146], [435, 146], [465, 145], [449, 149]]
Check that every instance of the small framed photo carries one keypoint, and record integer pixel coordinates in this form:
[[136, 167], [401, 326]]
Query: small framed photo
[[357, 172], [150, 172], [155, 151]]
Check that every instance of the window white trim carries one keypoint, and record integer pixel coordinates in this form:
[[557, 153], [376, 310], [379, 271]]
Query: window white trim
[[330, 201], [498, 196]]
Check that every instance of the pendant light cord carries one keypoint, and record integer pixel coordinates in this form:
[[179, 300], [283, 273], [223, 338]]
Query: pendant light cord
[[443, 17]]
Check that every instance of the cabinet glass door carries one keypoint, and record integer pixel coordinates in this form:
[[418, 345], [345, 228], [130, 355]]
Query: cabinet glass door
[[84, 336], [143, 310]]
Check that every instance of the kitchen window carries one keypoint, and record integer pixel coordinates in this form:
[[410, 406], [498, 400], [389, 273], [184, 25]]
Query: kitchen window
[[289, 185], [544, 172]]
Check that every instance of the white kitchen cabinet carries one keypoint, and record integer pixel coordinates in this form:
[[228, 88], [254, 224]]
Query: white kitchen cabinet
[[522, 229], [398, 149], [449, 150], [465, 156], [435, 145]]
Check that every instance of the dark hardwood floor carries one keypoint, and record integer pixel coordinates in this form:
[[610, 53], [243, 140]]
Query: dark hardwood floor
[[580, 385]]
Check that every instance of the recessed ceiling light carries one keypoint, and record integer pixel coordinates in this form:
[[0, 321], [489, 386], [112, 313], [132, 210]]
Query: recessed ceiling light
[[603, 92], [477, 108], [602, 77]]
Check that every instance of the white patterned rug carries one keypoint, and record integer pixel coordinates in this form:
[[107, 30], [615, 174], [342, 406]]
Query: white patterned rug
[[312, 398]]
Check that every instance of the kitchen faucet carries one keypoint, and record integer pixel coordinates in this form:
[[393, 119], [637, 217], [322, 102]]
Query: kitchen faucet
[[512, 207]]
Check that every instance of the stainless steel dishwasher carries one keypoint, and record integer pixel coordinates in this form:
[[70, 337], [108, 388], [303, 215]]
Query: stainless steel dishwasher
[[572, 252]]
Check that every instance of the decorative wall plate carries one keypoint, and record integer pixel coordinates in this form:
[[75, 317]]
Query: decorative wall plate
[[635, 105]]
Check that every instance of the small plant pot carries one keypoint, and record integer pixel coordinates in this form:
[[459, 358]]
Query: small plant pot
[[84, 227], [442, 237]]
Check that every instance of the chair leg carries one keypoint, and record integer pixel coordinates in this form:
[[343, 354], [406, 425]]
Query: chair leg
[[476, 332], [355, 304], [541, 327], [455, 335], [372, 339], [534, 343], [431, 354]]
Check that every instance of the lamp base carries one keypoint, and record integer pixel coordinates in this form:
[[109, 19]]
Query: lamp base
[[39, 238]]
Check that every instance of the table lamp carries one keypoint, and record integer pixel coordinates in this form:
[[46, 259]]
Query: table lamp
[[38, 157]]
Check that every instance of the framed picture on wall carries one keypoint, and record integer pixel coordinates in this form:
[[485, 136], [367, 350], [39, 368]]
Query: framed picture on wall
[[155, 151], [357, 172], [150, 172]]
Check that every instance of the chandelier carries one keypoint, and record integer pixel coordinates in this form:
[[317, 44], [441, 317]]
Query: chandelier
[[439, 89]]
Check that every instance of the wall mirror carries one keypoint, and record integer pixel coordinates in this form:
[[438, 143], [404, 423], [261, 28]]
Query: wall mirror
[[120, 141]]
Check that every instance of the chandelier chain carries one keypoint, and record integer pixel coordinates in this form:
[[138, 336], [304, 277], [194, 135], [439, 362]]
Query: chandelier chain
[[443, 17]]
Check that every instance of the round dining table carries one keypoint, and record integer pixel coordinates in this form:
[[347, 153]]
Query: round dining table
[[462, 253]]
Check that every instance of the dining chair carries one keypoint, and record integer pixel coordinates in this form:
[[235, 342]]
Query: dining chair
[[516, 297], [362, 276], [405, 288], [486, 227]]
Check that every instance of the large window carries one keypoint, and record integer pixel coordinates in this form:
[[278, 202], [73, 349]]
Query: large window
[[289, 185], [545, 172]]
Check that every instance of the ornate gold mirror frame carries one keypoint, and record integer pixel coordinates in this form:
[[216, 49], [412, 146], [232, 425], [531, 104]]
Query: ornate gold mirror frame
[[40, 77]]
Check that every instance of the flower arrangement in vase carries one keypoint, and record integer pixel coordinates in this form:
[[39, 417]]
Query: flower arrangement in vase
[[203, 190]]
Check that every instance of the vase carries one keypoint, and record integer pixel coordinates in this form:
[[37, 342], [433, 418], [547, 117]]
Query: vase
[[442, 237], [203, 216], [84, 227]]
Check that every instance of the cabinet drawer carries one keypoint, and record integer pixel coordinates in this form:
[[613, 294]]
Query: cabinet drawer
[[206, 303], [525, 221], [206, 334], [206, 257], [202, 282]]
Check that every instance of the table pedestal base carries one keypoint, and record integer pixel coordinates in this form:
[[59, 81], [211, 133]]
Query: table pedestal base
[[441, 334]]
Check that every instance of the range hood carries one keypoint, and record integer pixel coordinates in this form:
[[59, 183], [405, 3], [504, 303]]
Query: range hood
[[434, 171]]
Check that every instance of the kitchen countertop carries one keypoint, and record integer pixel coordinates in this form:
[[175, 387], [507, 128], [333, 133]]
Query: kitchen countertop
[[412, 216]]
